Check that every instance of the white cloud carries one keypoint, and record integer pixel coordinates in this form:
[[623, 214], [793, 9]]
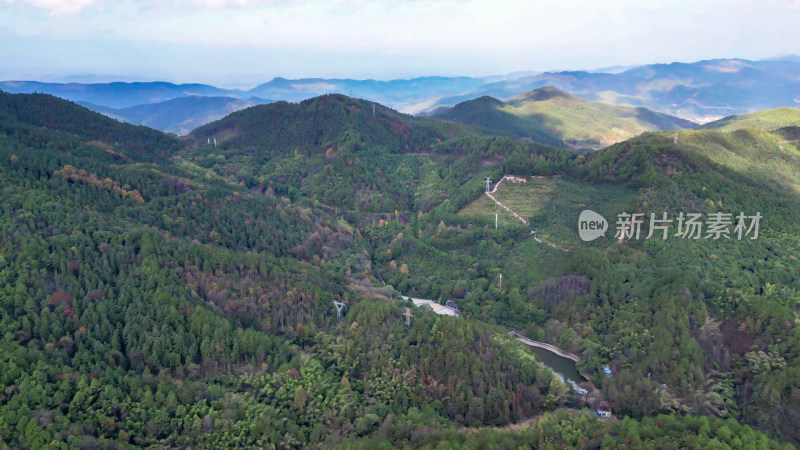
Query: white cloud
[[67, 7], [324, 37], [60, 7]]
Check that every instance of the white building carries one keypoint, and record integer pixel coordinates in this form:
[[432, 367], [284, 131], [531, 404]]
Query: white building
[[437, 308]]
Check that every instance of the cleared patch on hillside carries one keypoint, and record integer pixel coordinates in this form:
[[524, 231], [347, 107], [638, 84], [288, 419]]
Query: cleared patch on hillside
[[526, 199]]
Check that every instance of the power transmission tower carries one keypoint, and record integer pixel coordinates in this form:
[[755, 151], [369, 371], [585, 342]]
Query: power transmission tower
[[488, 183], [339, 306], [408, 317], [373, 110]]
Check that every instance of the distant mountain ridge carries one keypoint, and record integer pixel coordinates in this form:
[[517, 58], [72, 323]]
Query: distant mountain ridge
[[551, 116], [400, 93], [117, 94], [179, 115], [700, 91]]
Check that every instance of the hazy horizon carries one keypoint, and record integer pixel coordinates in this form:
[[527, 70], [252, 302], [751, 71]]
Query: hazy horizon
[[246, 82]]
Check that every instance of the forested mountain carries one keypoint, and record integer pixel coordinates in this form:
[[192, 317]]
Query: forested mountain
[[180, 115], [161, 303], [554, 117], [714, 320], [51, 113], [352, 154], [310, 124], [769, 120], [158, 292]]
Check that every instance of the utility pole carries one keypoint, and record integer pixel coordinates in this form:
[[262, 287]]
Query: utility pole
[[495, 221], [488, 183], [501, 281], [373, 110], [215, 142], [676, 138], [339, 306], [408, 317]]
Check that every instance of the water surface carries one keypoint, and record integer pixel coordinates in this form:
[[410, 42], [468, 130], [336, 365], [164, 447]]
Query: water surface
[[563, 368]]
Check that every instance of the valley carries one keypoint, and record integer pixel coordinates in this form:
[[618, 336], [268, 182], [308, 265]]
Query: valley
[[200, 310]]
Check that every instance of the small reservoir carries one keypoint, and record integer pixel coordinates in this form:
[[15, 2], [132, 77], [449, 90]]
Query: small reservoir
[[563, 368]]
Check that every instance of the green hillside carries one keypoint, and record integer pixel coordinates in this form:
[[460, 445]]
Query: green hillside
[[767, 120], [162, 303], [343, 153], [704, 312], [318, 123], [554, 117], [159, 293], [446, 248], [51, 113], [525, 199]]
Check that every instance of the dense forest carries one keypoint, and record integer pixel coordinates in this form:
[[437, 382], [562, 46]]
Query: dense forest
[[164, 292]]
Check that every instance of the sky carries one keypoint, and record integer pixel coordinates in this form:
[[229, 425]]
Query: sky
[[240, 43]]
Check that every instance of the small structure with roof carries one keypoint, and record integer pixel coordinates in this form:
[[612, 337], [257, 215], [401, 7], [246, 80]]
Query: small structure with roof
[[604, 410], [452, 305]]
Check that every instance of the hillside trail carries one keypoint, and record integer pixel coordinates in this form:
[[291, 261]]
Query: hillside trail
[[518, 217], [507, 209], [512, 212]]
